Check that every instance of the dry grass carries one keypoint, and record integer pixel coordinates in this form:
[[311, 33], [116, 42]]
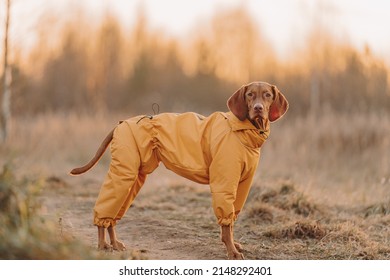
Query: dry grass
[[321, 191], [300, 230], [342, 158], [324, 232], [26, 234]]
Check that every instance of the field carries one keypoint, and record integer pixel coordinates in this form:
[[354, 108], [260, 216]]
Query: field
[[321, 192]]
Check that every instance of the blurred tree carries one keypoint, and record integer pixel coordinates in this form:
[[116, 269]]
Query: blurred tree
[[102, 68], [5, 114], [241, 53], [139, 79], [377, 87], [63, 84], [204, 64], [106, 70]]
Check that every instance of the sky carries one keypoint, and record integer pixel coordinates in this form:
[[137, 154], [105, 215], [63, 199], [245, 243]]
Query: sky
[[285, 23]]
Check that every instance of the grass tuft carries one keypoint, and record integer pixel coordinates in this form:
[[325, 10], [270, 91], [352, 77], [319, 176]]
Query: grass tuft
[[298, 230]]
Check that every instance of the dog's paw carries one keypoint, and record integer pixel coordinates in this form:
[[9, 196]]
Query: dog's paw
[[238, 247], [105, 247], [118, 246], [236, 256]]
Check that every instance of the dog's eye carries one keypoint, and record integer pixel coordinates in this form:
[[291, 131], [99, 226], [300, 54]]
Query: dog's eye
[[268, 95], [250, 94]]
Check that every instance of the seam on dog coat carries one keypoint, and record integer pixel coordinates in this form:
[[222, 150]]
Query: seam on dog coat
[[219, 150]]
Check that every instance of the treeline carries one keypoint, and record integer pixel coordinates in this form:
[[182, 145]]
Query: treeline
[[84, 68]]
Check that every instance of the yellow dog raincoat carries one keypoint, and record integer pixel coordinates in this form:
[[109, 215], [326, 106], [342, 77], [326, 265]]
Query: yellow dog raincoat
[[219, 150]]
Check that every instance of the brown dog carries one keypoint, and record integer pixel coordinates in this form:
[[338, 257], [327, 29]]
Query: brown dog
[[221, 150]]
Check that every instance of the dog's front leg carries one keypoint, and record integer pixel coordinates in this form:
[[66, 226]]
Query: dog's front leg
[[231, 248], [115, 243], [102, 244]]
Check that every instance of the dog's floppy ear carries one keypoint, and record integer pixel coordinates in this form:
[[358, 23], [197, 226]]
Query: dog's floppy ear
[[237, 104], [279, 106]]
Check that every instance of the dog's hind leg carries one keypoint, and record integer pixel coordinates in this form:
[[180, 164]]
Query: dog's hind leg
[[120, 187], [102, 243], [115, 243]]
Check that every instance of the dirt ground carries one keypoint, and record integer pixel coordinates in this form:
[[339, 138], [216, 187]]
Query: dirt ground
[[174, 222], [172, 219]]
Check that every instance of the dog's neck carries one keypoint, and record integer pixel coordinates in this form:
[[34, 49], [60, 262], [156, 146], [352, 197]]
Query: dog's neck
[[261, 124]]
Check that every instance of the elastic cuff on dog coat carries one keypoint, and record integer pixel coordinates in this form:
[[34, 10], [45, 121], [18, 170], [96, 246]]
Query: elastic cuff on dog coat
[[104, 222], [227, 221]]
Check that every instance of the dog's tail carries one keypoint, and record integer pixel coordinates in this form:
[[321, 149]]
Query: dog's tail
[[96, 158]]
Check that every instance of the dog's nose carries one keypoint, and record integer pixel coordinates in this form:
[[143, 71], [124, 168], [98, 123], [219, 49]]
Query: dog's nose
[[258, 107]]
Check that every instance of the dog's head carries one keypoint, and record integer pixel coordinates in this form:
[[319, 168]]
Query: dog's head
[[258, 101]]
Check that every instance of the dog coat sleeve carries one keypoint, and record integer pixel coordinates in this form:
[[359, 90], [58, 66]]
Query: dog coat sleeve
[[226, 170], [235, 154], [229, 194]]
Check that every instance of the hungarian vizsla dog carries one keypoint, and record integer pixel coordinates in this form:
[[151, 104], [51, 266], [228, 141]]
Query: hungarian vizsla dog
[[221, 150]]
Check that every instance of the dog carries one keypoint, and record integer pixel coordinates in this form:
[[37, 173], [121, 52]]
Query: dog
[[221, 150]]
